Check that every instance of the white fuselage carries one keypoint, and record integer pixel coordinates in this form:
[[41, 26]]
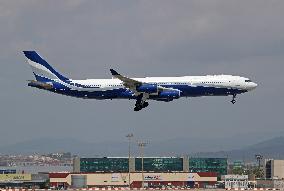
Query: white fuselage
[[218, 81]]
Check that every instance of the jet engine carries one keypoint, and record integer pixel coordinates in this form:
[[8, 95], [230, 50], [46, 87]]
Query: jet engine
[[147, 88], [169, 94]]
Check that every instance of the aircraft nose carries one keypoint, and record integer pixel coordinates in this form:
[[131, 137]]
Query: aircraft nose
[[252, 86]]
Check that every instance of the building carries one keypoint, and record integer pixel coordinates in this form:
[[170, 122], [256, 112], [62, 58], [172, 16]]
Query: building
[[151, 164], [276, 184], [23, 180], [104, 164], [150, 179], [238, 165], [235, 181], [218, 165], [274, 169], [160, 164], [157, 172]]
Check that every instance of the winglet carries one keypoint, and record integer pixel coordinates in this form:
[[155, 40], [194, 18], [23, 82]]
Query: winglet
[[113, 72]]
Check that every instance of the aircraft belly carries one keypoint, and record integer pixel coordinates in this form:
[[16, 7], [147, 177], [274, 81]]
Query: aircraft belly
[[121, 93], [196, 91]]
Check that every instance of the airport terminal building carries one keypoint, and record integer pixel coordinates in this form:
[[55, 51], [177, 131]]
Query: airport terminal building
[[157, 172], [151, 164]]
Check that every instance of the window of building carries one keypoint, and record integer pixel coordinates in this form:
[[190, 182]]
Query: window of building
[[104, 164], [159, 164], [218, 165]]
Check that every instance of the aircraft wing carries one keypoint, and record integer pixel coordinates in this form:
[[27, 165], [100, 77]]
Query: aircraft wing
[[132, 84], [127, 82], [143, 90]]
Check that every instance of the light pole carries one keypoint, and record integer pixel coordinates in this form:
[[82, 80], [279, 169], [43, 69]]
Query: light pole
[[258, 158], [129, 136], [141, 145]]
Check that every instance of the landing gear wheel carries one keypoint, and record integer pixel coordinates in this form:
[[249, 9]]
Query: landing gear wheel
[[233, 100], [140, 103], [145, 104], [137, 108]]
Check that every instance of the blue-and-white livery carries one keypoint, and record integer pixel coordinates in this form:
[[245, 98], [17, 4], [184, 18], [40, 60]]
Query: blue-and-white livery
[[141, 89]]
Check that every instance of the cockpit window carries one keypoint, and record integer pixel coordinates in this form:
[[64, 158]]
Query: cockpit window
[[247, 80]]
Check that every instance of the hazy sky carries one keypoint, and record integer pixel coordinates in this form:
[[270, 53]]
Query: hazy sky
[[84, 39]]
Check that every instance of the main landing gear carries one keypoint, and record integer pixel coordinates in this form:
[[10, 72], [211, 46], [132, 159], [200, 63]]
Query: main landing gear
[[234, 99], [140, 103], [138, 107]]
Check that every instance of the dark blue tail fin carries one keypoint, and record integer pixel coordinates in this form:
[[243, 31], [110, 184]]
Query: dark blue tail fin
[[41, 69]]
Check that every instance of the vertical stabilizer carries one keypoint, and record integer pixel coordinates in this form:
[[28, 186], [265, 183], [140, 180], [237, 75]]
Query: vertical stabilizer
[[42, 70]]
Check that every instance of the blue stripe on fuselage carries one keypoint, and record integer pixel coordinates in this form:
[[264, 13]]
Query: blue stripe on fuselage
[[122, 93]]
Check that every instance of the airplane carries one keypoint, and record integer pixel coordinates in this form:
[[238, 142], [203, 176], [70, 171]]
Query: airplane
[[164, 89]]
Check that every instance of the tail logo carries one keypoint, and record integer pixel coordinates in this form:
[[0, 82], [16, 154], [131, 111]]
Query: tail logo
[[41, 69]]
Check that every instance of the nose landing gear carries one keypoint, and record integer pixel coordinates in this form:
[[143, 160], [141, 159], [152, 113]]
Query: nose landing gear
[[234, 99]]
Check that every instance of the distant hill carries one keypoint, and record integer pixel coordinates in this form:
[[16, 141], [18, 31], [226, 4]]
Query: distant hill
[[47, 145], [272, 148], [172, 147]]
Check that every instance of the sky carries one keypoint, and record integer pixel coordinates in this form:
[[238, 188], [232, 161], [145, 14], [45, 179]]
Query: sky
[[84, 39]]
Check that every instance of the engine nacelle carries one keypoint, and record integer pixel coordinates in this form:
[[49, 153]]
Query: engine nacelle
[[170, 94], [148, 88]]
